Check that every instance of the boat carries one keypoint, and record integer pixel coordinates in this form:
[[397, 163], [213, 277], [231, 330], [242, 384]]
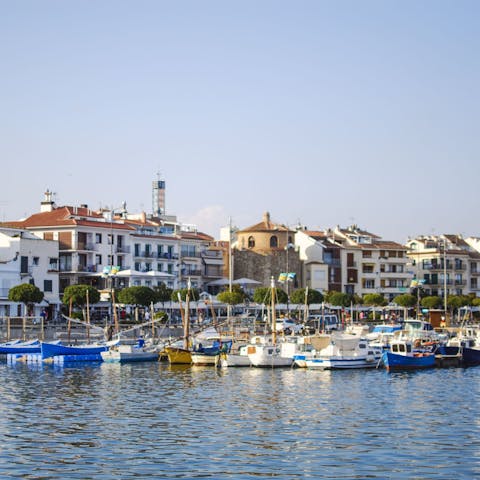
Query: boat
[[403, 356], [19, 347], [210, 355], [125, 353], [265, 351], [345, 351], [308, 346], [49, 350], [235, 358], [182, 355]]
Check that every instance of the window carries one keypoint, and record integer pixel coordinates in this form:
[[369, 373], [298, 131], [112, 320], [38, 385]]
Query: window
[[35, 260], [251, 242], [98, 259], [137, 249], [98, 238], [137, 266], [273, 241], [47, 286], [367, 254]]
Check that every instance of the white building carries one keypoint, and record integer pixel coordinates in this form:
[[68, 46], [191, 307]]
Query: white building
[[25, 258]]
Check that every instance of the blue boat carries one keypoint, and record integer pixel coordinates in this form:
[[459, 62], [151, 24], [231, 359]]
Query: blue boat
[[54, 349], [17, 346], [402, 356]]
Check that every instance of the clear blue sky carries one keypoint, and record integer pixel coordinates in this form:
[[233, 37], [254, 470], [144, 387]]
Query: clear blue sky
[[324, 112]]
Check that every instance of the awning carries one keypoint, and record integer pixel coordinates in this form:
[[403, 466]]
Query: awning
[[213, 261]]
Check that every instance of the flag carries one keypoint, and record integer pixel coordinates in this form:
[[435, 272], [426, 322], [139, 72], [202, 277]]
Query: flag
[[291, 276], [282, 277]]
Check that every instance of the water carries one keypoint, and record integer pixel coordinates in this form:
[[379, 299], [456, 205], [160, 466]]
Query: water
[[155, 421]]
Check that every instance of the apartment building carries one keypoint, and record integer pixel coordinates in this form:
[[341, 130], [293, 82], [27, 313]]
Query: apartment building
[[321, 258], [112, 248], [446, 264], [25, 258], [371, 264]]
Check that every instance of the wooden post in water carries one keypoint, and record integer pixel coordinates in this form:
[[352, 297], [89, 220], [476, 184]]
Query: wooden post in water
[[187, 318], [8, 329]]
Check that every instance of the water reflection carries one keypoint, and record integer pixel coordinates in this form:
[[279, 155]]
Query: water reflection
[[154, 420]]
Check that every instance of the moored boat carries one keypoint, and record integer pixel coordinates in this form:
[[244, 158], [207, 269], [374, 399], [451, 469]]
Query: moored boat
[[49, 350], [125, 353], [19, 347], [345, 351], [402, 356]]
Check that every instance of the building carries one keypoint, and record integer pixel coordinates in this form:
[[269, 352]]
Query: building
[[446, 264], [372, 265], [321, 257], [25, 258], [266, 250]]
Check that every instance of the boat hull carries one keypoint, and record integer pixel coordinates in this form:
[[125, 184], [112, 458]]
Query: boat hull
[[18, 347], [268, 356], [341, 363], [53, 349], [205, 359], [178, 356], [234, 360], [393, 361], [127, 357]]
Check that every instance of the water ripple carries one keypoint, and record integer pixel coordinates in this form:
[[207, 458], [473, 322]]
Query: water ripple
[[157, 421]]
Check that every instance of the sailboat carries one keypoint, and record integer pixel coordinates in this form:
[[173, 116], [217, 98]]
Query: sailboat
[[266, 352], [182, 355]]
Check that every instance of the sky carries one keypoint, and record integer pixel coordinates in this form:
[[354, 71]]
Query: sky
[[323, 113]]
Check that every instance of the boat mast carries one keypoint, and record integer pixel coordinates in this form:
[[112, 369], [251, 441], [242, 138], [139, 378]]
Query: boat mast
[[186, 326], [274, 321]]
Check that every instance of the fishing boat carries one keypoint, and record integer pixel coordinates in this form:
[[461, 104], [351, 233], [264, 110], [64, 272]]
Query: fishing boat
[[182, 354], [403, 356], [265, 351], [49, 350], [235, 358], [125, 353], [345, 351]]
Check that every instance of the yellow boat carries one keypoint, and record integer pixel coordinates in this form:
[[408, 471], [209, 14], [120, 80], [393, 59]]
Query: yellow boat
[[177, 356]]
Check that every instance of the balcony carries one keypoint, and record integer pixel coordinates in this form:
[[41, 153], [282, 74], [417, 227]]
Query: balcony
[[167, 256], [26, 271], [123, 249]]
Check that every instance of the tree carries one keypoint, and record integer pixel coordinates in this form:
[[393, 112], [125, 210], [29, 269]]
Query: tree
[[194, 294], [374, 300], [407, 300], [162, 293], [137, 295], [78, 295], [476, 302], [339, 299], [313, 296], [230, 298], [264, 295], [25, 293], [431, 302]]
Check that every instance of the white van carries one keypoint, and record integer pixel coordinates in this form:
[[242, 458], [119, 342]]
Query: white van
[[327, 323]]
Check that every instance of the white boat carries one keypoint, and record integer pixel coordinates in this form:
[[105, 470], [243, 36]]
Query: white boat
[[124, 353], [345, 351], [308, 346], [266, 351], [237, 358]]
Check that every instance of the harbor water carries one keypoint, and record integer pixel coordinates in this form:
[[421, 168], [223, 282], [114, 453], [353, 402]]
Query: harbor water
[[153, 420]]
